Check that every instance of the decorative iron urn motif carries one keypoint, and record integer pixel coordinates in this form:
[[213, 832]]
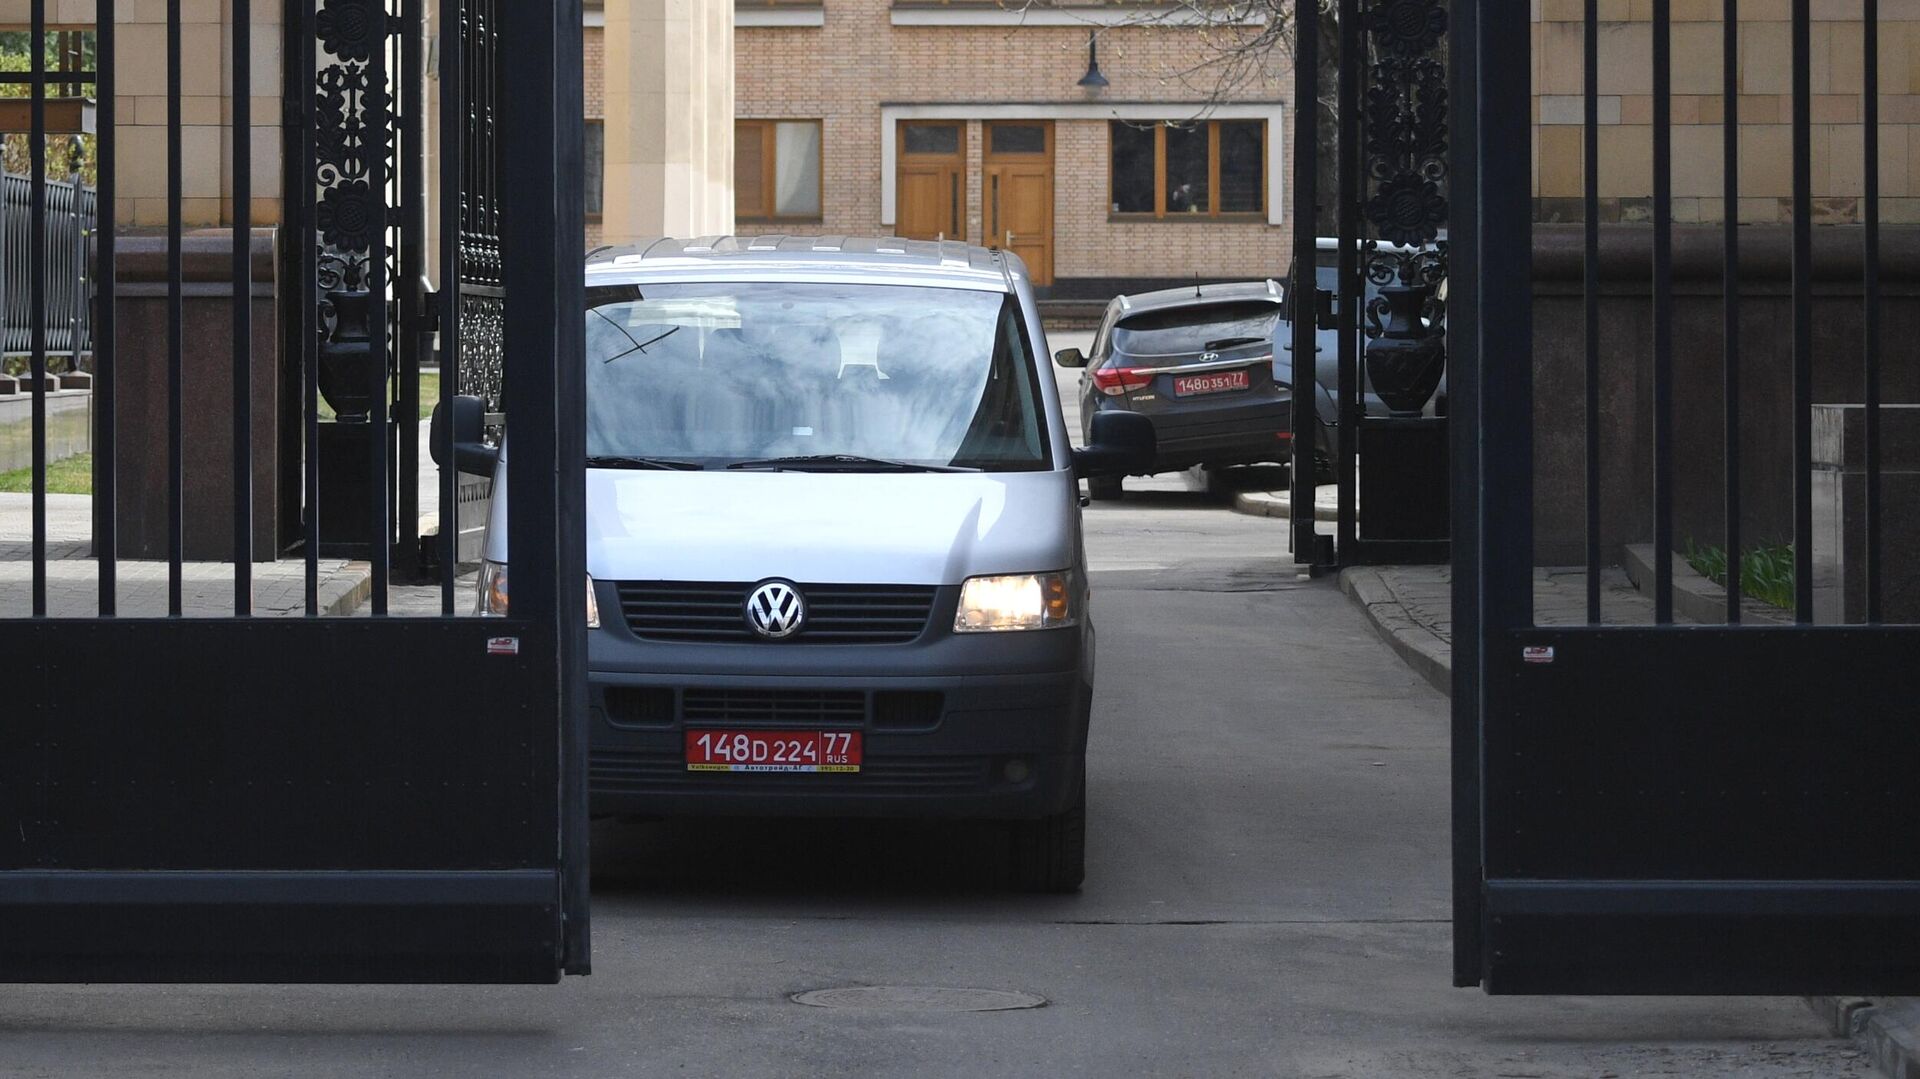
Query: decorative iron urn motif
[[347, 355], [1405, 362]]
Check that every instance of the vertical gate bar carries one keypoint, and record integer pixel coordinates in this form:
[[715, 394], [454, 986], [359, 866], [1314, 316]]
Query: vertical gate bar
[[1306, 167], [379, 128], [1870, 258], [545, 233], [1464, 360], [309, 297], [1590, 143], [106, 537], [1800, 31], [1662, 312], [1730, 293], [1351, 290], [242, 307], [37, 295], [452, 112], [413, 196], [1499, 612], [570, 468], [176, 317]]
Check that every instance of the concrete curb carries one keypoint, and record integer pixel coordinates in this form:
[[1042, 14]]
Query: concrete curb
[[1889, 1030], [1694, 596], [351, 601], [1891, 1036], [1277, 504], [1429, 654]]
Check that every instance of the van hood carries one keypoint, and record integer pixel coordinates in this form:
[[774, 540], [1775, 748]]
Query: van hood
[[828, 527]]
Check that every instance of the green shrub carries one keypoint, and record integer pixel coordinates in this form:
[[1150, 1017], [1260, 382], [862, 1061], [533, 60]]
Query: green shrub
[[1766, 570]]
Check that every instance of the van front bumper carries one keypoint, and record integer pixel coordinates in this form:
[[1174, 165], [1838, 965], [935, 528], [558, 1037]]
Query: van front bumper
[[978, 739]]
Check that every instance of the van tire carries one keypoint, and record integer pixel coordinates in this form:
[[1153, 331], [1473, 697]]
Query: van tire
[[1050, 854], [1105, 488]]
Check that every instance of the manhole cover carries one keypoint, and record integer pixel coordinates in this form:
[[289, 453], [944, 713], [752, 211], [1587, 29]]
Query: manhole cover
[[919, 998]]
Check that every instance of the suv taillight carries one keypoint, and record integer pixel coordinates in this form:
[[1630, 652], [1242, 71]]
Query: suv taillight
[[1114, 381]]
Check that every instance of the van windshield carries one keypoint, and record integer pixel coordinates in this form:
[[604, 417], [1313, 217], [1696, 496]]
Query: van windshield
[[739, 373]]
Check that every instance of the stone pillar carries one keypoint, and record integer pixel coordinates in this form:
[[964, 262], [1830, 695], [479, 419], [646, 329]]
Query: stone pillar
[[1839, 510], [669, 119], [207, 401]]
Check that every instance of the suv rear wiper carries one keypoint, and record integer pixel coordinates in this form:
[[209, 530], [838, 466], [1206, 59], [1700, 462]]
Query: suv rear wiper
[[1233, 342], [664, 464], [844, 462]]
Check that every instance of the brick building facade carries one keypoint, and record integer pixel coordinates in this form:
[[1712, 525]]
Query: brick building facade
[[1765, 111], [912, 100]]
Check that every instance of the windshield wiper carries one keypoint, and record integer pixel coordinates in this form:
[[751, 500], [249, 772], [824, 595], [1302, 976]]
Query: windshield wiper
[[1232, 342], [664, 464], [844, 462]]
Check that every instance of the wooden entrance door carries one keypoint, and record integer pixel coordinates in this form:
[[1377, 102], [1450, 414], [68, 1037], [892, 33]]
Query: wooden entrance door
[[1018, 186], [933, 181]]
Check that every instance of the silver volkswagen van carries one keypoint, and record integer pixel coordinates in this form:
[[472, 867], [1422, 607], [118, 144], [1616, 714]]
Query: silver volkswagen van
[[833, 533]]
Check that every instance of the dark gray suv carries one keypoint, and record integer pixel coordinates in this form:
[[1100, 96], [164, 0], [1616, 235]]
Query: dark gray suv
[[1197, 361]]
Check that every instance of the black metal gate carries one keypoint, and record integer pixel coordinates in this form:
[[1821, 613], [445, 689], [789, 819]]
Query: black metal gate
[[192, 794], [1721, 807], [1369, 279]]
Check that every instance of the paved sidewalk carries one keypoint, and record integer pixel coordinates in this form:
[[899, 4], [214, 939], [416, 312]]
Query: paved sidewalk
[[73, 577], [1411, 608]]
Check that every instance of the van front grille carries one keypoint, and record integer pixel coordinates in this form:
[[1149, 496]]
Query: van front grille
[[747, 707], [836, 613]]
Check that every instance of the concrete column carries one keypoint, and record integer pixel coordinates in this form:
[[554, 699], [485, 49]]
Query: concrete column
[[669, 117]]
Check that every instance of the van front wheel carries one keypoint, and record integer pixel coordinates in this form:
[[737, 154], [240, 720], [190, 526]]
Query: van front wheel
[[1050, 854]]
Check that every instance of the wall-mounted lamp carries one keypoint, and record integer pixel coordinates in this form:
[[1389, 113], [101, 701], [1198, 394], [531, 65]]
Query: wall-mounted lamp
[[1093, 80]]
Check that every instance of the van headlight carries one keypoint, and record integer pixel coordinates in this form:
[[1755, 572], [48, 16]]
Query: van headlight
[[493, 590], [493, 594], [1017, 601]]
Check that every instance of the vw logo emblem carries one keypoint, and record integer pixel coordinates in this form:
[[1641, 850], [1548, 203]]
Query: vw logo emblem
[[776, 610]]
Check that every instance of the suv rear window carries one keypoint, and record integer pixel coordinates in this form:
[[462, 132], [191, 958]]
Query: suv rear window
[[1195, 329]]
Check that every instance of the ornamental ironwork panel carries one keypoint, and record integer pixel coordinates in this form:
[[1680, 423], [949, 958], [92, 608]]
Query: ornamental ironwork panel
[[1405, 118], [360, 179], [482, 301]]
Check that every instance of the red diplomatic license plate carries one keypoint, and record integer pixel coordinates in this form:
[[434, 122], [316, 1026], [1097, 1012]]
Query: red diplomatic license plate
[[773, 751], [1218, 382]]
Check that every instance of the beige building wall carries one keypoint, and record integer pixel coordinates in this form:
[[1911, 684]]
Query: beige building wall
[[1765, 108], [669, 118], [842, 71], [206, 92]]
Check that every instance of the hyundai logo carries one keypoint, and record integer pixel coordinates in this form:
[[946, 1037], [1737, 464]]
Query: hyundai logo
[[1209, 357], [776, 610]]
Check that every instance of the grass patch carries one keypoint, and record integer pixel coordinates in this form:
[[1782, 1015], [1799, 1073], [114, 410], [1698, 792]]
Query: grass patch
[[1766, 570], [429, 396], [67, 476]]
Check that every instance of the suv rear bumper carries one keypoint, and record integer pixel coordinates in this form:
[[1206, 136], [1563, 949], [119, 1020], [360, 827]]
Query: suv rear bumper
[[1247, 436]]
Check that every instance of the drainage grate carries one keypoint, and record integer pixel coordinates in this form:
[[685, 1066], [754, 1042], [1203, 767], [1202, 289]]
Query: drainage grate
[[919, 998]]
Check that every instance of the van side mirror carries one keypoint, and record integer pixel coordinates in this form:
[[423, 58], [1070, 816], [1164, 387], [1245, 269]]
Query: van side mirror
[[1120, 444], [1070, 357], [1325, 318], [468, 419]]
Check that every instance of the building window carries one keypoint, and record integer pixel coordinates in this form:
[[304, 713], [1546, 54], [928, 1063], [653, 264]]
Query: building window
[[596, 167], [1210, 168], [776, 170]]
